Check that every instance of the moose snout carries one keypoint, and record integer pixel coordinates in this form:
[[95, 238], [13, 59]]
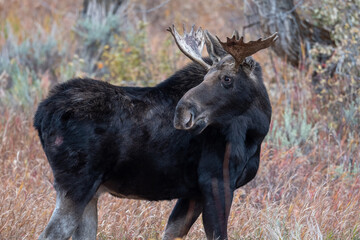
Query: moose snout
[[184, 117]]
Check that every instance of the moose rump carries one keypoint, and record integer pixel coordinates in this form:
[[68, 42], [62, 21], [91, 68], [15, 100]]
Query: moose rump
[[194, 137]]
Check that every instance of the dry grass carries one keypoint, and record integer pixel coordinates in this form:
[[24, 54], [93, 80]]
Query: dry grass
[[292, 197], [309, 189]]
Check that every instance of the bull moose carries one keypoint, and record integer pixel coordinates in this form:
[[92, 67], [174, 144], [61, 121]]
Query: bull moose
[[195, 137]]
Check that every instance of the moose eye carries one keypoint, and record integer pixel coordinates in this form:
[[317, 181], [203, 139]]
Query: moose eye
[[226, 82]]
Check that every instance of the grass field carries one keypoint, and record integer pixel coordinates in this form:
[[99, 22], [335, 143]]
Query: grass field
[[308, 184]]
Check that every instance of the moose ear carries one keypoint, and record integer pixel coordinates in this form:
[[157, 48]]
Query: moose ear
[[248, 65], [214, 48]]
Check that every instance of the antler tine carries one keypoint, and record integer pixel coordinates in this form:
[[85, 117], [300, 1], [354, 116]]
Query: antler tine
[[191, 44], [240, 50], [236, 34], [192, 29], [184, 28]]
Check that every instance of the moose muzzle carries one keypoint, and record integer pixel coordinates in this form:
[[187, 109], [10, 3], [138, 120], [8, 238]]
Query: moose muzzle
[[188, 118]]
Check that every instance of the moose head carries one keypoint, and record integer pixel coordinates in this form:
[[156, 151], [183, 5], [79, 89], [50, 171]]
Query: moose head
[[232, 82]]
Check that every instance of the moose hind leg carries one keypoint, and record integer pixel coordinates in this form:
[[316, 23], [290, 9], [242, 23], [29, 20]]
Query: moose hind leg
[[70, 206], [87, 227], [64, 219], [183, 216]]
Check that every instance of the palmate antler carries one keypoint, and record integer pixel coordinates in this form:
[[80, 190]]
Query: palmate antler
[[191, 44], [240, 50]]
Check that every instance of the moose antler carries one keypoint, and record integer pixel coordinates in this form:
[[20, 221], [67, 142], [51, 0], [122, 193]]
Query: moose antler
[[240, 50], [191, 44]]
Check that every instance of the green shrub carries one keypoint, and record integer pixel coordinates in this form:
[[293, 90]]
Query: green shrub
[[131, 62], [24, 87], [126, 61], [293, 130], [25, 63], [95, 31], [39, 52], [340, 81]]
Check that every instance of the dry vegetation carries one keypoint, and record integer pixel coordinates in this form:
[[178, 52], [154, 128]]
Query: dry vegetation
[[308, 184]]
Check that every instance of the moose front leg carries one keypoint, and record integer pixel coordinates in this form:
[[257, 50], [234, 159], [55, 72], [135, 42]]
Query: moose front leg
[[216, 188], [182, 217], [217, 199]]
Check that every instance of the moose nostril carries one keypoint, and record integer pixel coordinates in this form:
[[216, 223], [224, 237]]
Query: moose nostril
[[190, 120]]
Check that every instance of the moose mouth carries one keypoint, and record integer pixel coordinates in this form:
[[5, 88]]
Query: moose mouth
[[199, 125]]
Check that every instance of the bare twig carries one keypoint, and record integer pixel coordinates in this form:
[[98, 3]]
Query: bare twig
[[249, 26], [156, 7]]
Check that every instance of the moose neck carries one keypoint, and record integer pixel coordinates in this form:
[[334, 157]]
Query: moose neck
[[183, 80]]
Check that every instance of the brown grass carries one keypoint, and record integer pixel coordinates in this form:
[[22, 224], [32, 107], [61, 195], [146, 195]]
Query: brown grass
[[291, 198], [310, 190]]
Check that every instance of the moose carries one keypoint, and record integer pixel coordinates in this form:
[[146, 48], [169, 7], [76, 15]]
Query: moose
[[195, 137]]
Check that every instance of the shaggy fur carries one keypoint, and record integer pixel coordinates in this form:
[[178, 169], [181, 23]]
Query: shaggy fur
[[101, 137]]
